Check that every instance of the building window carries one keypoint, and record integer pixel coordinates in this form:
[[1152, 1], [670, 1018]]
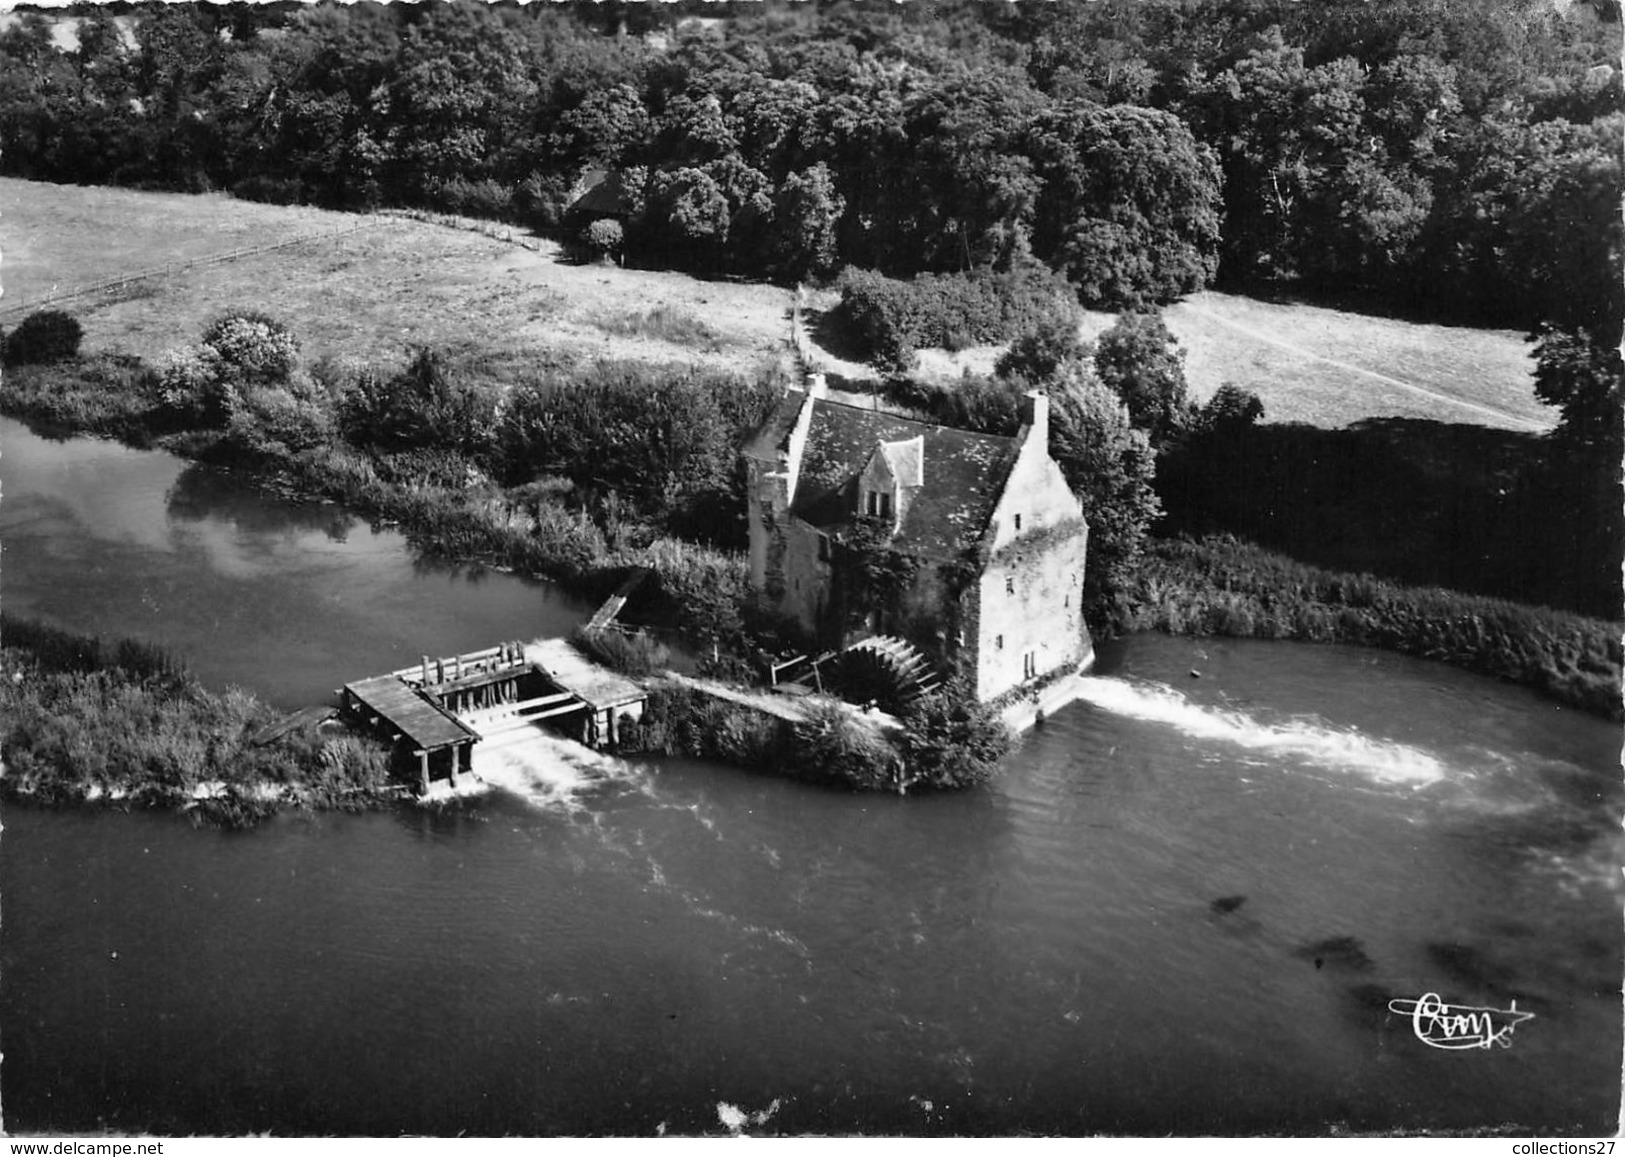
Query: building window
[[1018, 522], [998, 642], [878, 504], [1029, 665], [1009, 584], [823, 548]]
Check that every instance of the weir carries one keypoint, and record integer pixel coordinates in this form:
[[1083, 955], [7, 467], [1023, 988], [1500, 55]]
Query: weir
[[423, 710]]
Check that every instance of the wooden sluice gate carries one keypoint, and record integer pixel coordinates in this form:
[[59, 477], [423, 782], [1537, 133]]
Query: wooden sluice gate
[[422, 708]]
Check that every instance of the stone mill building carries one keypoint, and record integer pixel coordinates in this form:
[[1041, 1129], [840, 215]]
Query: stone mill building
[[979, 542]]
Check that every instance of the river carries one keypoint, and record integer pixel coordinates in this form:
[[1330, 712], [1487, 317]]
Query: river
[[664, 946]]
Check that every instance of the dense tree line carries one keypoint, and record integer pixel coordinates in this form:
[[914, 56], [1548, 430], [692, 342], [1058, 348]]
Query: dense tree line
[[1460, 155]]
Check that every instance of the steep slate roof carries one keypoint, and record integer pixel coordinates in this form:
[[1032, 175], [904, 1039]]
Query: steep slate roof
[[964, 473], [906, 461], [603, 194]]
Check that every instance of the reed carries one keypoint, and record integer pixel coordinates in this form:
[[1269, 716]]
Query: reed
[[629, 653], [1222, 586], [85, 720]]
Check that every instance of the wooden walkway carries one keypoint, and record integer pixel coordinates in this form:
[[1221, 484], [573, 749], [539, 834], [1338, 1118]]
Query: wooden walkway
[[613, 605]]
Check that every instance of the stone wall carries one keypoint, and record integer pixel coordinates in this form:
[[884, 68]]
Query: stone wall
[[1029, 621], [1030, 617]]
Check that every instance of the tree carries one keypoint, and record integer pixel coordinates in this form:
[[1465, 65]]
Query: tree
[[1139, 361], [1130, 204], [689, 213], [1231, 408], [1110, 466], [806, 210], [1585, 380], [1040, 352], [49, 335]]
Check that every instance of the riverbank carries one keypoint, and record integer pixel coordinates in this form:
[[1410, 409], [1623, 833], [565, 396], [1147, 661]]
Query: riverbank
[[447, 506], [120, 723], [1222, 586]]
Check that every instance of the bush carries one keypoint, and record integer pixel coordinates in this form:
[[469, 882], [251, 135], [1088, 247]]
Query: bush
[[1039, 352], [47, 336], [1230, 408], [104, 393], [894, 319], [420, 406], [631, 654], [252, 347], [603, 238], [486, 198], [952, 741]]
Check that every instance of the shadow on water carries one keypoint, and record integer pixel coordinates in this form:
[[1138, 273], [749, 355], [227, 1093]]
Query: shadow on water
[[201, 493]]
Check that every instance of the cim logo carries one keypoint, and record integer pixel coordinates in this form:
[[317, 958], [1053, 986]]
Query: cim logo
[[1459, 1026]]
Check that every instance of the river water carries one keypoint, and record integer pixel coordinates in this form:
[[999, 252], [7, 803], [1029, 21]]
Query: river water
[[600, 946]]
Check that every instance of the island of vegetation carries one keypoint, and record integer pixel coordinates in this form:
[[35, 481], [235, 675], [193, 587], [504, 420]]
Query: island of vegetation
[[953, 175]]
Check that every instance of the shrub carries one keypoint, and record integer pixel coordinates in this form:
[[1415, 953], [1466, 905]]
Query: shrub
[[832, 745], [104, 393], [485, 198], [603, 237], [630, 654], [419, 406], [273, 421], [1040, 351], [894, 319], [47, 336], [252, 347], [1230, 408], [540, 200], [1138, 359], [952, 741]]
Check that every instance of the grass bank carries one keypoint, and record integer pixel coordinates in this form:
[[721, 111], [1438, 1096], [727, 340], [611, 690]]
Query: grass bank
[[587, 534], [1221, 586], [86, 720]]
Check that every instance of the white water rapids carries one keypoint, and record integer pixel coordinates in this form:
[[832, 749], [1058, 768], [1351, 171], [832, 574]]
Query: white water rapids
[[1307, 739]]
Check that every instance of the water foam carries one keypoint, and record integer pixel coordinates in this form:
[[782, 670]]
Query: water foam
[[542, 768], [1378, 759]]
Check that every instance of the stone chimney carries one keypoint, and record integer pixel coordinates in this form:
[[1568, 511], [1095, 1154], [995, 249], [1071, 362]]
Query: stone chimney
[[1035, 417]]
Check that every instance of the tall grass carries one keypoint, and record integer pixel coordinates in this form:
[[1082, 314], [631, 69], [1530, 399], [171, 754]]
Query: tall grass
[[1222, 586], [109, 394], [83, 719], [662, 323], [631, 654]]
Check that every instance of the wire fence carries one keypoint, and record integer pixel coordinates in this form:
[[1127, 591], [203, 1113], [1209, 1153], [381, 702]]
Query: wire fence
[[111, 284]]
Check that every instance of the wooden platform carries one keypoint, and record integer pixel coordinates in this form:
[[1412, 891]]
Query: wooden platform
[[421, 722], [598, 687]]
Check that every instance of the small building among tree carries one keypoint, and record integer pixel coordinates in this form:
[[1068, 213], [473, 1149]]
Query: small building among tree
[[965, 549]]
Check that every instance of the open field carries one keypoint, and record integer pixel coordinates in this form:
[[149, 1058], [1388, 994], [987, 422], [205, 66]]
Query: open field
[[375, 292], [1322, 367], [372, 293]]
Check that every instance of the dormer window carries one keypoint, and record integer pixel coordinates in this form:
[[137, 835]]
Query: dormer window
[[877, 504]]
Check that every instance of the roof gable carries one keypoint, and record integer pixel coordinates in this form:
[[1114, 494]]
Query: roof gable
[[962, 483]]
